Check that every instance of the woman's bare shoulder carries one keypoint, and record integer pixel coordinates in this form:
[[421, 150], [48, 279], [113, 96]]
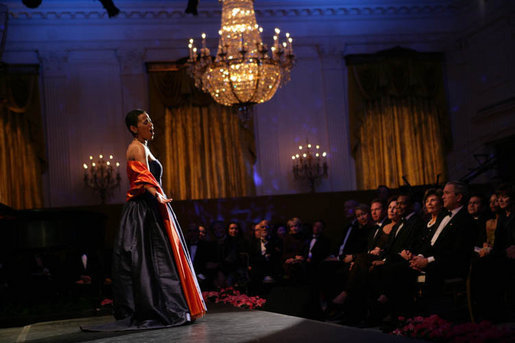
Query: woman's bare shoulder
[[136, 152]]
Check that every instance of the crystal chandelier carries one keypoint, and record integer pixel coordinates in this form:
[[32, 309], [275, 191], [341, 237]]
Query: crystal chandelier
[[242, 73], [309, 165], [100, 176]]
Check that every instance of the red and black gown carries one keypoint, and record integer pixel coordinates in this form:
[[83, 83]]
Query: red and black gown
[[154, 284]]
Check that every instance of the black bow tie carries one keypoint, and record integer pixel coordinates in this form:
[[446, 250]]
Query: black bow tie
[[449, 213]]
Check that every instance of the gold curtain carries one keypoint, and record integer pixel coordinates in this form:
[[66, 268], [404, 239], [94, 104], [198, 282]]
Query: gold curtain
[[398, 118], [22, 152], [206, 150]]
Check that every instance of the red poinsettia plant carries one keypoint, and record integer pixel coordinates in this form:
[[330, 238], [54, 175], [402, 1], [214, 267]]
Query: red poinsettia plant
[[234, 297], [434, 328]]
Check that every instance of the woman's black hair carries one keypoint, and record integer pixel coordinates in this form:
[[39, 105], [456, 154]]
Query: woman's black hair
[[131, 119]]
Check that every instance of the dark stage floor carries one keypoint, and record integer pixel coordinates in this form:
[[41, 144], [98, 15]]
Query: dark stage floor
[[223, 323]]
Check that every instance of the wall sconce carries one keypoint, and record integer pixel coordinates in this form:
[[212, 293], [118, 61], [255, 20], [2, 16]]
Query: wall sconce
[[100, 176], [310, 165]]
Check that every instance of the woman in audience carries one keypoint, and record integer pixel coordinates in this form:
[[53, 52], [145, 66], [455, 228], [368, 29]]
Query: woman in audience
[[234, 256], [294, 246], [486, 237]]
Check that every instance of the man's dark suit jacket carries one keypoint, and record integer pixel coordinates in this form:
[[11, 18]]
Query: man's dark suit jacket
[[404, 237], [453, 248], [320, 250], [357, 241]]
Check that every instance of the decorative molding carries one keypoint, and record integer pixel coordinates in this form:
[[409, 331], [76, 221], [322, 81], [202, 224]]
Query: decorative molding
[[278, 10]]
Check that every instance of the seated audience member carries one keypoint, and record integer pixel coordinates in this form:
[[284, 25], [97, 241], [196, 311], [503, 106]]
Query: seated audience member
[[378, 212], [294, 246], [264, 257], [493, 277], [281, 231], [318, 247], [234, 256], [203, 255], [382, 236], [486, 236], [334, 270], [354, 284], [447, 253], [476, 209]]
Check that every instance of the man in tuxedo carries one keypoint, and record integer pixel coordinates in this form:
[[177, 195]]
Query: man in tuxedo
[[318, 246], [379, 219], [447, 254], [408, 231]]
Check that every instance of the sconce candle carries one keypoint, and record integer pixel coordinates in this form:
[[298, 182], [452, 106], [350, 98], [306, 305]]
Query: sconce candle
[[102, 176], [310, 165]]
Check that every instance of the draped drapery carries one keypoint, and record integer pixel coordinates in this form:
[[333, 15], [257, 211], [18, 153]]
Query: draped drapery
[[398, 118], [22, 148], [206, 150]]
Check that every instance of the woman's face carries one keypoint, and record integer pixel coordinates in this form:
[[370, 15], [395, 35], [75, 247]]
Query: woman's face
[[494, 203], [145, 128], [433, 204], [294, 228], [233, 230], [362, 217], [393, 212]]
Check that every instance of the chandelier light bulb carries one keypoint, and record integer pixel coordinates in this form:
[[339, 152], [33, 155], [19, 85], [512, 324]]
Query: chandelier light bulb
[[91, 157], [317, 154], [304, 155], [318, 146], [277, 31], [300, 147], [108, 163], [309, 146], [93, 164], [110, 157], [85, 166], [100, 156], [293, 157], [324, 154], [117, 164]]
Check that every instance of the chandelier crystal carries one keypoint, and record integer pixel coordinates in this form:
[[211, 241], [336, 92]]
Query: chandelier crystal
[[242, 73]]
